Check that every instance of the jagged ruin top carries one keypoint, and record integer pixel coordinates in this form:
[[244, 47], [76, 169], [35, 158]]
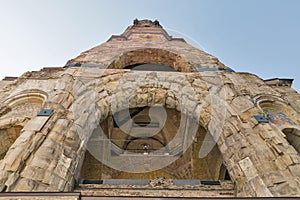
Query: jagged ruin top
[[147, 42]]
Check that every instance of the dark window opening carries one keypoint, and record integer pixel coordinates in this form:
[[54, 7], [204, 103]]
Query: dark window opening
[[293, 137], [144, 124], [150, 67], [119, 120], [227, 176]]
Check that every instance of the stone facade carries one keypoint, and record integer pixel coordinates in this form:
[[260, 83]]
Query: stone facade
[[252, 123]]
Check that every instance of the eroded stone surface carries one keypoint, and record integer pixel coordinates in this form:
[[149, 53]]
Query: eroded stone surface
[[47, 154]]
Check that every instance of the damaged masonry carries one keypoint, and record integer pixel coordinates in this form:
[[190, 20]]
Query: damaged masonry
[[148, 115]]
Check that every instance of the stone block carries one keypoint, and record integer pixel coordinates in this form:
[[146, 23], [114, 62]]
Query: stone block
[[248, 115], [25, 136], [28, 172], [286, 189], [59, 137], [160, 97], [40, 187], [248, 168], [283, 161], [273, 178], [15, 159], [59, 98], [277, 149], [35, 142], [295, 170], [47, 176], [4, 176], [60, 125], [223, 148], [36, 124], [170, 102], [57, 184], [230, 141], [263, 153], [259, 187], [295, 158], [63, 166], [24, 185], [265, 166], [175, 87], [262, 130], [241, 104], [244, 152]]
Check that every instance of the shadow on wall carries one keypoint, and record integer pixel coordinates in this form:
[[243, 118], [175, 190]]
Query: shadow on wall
[[293, 137]]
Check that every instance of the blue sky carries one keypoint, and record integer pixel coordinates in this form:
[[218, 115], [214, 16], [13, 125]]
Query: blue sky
[[256, 36]]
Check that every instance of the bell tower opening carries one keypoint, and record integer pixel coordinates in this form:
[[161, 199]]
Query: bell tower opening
[[150, 67], [151, 139], [151, 59]]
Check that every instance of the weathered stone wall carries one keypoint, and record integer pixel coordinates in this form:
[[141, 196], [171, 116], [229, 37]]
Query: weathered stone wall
[[138, 40], [47, 155], [263, 162], [49, 151]]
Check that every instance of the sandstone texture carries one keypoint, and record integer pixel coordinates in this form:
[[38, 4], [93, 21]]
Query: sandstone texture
[[49, 153]]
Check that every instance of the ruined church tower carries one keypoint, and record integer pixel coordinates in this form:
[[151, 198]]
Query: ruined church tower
[[148, 115]]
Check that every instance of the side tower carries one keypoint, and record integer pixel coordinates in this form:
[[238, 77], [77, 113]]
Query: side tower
[[145, 110]]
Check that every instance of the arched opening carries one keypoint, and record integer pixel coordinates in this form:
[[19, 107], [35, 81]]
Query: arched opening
[[293, 137], [151, 137], [8, 136], [20, 109], [284, 117], [153, 58], [279, 113]]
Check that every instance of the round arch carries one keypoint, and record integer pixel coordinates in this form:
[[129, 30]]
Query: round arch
[[278, 111], [151, 56], [150, 89], [19, 109], [33, 95]]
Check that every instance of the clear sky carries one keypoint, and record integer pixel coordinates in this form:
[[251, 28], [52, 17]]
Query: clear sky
[[256, 36]]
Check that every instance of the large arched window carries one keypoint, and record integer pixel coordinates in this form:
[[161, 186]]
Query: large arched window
[[151, 56], [143, 141]]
